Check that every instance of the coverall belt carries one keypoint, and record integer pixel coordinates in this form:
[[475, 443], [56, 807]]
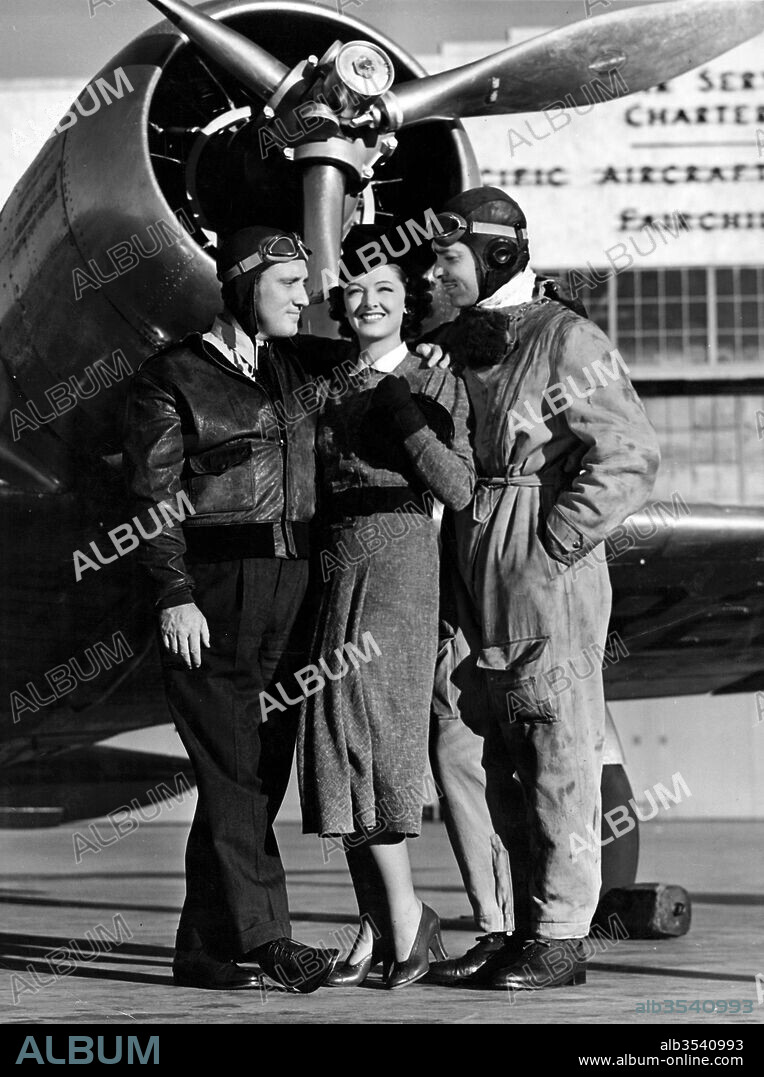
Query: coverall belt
[[515, 480]]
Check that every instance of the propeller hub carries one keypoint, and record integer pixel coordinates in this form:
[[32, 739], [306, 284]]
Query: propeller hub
[[364, 69], [360, 72]]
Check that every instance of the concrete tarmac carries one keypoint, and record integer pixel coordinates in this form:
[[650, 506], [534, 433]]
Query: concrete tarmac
[[127, 896]]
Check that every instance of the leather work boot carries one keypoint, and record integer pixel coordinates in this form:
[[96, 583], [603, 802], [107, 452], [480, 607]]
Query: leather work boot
[[457, 970], [541, 963]]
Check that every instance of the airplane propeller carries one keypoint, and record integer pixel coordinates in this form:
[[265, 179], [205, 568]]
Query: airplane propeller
[[644, 45], [255, 68]]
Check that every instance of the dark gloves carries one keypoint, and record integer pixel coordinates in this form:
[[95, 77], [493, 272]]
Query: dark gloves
[[394, 396], [392, 392]]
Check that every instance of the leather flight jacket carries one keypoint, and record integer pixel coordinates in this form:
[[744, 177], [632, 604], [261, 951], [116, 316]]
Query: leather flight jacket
[[241, 450]]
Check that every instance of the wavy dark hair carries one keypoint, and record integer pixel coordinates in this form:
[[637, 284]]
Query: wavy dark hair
[[418, 305]]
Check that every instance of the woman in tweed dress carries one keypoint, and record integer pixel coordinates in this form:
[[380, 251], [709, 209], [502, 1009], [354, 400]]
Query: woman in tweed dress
[[396, 437]]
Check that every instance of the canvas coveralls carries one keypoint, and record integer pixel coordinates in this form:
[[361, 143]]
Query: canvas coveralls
[[566, 453]]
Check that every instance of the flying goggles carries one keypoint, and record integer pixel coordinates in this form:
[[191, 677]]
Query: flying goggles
[[273, 250], [454, 227]]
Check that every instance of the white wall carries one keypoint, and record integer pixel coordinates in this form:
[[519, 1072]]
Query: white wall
[[29, 110], [715, 743]]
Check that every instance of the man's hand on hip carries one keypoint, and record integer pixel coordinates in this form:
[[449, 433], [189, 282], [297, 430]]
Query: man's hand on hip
[[184, 630]]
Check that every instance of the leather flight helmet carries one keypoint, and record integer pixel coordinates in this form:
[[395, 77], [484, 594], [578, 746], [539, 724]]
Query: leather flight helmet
[[494, 228], [243, 255]]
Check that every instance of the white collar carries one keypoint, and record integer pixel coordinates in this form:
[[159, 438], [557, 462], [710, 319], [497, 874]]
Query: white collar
[[228, 336], [389, 361], [516, 291]]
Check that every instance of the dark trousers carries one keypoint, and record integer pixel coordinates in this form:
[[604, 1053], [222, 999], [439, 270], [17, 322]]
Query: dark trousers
[[235, 888]]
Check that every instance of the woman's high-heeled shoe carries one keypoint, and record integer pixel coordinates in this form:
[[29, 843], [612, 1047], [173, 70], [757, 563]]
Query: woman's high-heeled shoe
[[352, 975], [428, 938]]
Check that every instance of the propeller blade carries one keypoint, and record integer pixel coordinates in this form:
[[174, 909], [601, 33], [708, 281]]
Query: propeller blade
[[324, 187], [646, 45], [255, 68]]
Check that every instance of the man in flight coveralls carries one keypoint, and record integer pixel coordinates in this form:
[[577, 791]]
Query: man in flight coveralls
[[564, 453]]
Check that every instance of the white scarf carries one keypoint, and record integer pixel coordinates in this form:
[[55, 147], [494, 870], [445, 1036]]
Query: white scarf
[[237, 346], [516, 291]]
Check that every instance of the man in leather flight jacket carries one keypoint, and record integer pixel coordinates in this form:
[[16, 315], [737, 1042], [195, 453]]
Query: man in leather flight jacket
[[218, 417]]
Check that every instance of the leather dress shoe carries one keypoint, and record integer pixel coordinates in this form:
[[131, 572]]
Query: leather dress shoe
[[459, 969], [540, 964], [296, 967], [195, 968], [353, 975], [427, 940], [349, 975]]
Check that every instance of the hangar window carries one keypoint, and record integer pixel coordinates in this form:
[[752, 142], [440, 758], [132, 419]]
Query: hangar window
[[694, 342], [670, 321]]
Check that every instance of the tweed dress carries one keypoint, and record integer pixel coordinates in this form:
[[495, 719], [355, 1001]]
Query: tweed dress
[[362, 744]]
